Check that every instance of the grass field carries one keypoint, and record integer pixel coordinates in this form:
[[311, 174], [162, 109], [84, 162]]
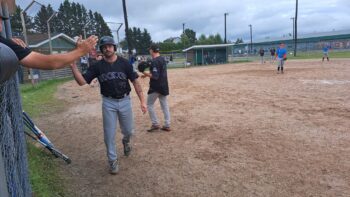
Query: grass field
[[39, 101], [318, 55]]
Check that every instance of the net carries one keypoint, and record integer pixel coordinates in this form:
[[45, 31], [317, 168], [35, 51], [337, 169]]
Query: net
[[14, 179]]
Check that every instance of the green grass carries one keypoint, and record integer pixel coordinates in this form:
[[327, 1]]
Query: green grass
[[44, 176], [241, 61], [319, 54], [39, 101]]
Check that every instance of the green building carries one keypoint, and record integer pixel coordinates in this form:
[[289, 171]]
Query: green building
[[208, 54]]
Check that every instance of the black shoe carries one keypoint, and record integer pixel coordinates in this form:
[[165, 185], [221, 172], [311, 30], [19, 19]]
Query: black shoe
[[127, 148], [154, 128]]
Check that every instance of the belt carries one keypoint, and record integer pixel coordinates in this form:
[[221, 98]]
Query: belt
[[118, 97]]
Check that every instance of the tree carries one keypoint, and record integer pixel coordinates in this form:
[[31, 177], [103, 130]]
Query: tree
[[73, 17], [202, 39], [145, 41], [239, 41], [140, 41], [188, 38], [218, 39], [40, 20], [16, 22]]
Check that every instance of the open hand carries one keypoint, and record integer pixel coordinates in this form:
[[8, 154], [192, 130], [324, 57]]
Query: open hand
[[87, 45]]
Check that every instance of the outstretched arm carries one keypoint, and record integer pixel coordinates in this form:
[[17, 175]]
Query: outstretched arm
[[139, 93], [77, 74], [49, 62]]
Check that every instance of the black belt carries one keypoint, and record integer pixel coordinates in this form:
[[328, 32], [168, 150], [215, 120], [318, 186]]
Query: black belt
[[118, 97]]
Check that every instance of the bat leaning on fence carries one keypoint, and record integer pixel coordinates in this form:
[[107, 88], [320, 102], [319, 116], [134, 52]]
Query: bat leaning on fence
[[41, 138]]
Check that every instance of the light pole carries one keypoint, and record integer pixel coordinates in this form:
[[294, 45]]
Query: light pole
[[25, 34], [292, 18], [127, 28], [225, 27], [183, 28], [84, 28], [251, 38], [120, 25], [296, 28], [49, 31]]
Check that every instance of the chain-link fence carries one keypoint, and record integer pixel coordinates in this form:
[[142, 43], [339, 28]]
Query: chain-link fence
[[305, 48], [14, 179]]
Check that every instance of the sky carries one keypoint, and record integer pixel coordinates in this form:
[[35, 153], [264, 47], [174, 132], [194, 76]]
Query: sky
[[165, 18]]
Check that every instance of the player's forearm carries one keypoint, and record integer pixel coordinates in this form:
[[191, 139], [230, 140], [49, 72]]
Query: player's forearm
[[78, 76], [61, 60], [138, 90], [50, 62]]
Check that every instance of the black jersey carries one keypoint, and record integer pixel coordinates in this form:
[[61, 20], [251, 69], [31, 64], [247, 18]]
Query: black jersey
[[113, 77], [159, 79]]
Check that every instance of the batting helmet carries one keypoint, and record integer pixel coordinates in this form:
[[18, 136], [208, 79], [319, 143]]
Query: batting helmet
[[8, 63], [107, 40]]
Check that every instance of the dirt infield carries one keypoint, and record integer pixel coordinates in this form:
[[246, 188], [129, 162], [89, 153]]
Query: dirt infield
[[238, 130]]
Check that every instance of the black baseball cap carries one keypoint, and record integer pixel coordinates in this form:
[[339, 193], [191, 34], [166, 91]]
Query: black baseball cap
[[154, 47]]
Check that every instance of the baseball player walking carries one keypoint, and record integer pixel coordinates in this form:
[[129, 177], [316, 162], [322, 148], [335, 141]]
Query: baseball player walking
[[113, 73], [325, 52], [158, 89], [281, 57]]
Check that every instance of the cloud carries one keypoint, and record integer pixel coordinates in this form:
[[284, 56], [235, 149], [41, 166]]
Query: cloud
[[164, 18]]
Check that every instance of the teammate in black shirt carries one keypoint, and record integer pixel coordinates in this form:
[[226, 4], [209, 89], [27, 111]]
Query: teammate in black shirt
[[113, 73], [32, 59], [158, 89]]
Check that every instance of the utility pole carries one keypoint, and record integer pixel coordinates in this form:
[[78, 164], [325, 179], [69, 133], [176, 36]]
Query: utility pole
[[225, 28], [251, 39], [117, 31], [293, 28], [296, 28], [127, 28], [84, 28], [25, 35], [49, 30], [183, 28]]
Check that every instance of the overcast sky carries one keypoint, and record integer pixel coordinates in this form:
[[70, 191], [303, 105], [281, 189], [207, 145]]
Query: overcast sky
[[164, 18]]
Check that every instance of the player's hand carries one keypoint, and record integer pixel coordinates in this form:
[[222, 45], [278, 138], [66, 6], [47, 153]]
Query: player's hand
[[73, 65], [19, 42], [87, 45], [143, 108]]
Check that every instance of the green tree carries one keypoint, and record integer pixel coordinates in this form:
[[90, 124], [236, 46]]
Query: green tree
[[218, 39], [145, 42], [239, 41], [139, 40], [40, 20], [16, 22], [188, 38], [202, 39], [73, 17]]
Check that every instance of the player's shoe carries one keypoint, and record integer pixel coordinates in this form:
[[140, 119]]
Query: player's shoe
[[153, 128], [127, 147], [113, 167]]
